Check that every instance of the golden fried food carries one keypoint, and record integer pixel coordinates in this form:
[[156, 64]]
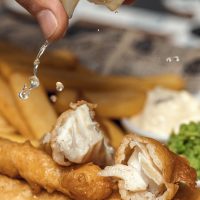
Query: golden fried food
[[5, 70], [18, 138], [171, 81], [146, 168], [5, 127], [116, 104], [107, 83], [13, 189], [61, 59], [40, 171], [78, 79], [38, 111], [64, 99], [114, 196], [186, 193], [10, 111], [114, 133], [77, 138]]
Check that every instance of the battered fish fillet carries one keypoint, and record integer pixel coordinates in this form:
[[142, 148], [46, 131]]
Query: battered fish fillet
[[147, 170], [40, 171], [13, 189], [77, 138]]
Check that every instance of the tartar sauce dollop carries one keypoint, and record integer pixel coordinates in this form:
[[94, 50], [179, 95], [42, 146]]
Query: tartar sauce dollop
[[165, 110]]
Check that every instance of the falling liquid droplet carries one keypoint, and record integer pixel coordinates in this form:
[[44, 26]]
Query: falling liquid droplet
[[25, 93], [34, 82], [36, 62], [175, 58], [59, 86], [98, 30], [53, 98], [169, 59]]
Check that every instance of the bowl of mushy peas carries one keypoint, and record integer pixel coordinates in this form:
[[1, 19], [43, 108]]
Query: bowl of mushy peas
[[186, 142]]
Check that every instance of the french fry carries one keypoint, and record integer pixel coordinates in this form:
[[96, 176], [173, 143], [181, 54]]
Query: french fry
[[115, 134], [106, 83], [18, 138], [5, 127], [80, 80], [64, 99], [5, 70], [63, 57], [37, 110], [116, 104], [9, 110], [171, 81]]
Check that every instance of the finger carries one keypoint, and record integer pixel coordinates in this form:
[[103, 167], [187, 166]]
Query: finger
[[50, 15]]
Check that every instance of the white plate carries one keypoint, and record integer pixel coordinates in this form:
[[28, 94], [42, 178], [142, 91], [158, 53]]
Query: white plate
[[130, 127]]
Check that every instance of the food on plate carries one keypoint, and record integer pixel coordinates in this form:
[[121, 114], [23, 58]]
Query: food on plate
[[114, 196], [186, 142], [165, 110], [41, 172], [76, 79], [186, 193], [38, 111], [5, 127], [77, 138], [18, 138], [64, 99], [171, 81], [5, 70], [9, 110], [146, 169], [116, 104], [114, 132], [12, 189], [61, 59]]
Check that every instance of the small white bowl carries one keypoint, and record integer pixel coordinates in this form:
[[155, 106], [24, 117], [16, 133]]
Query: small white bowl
[[130, 127]]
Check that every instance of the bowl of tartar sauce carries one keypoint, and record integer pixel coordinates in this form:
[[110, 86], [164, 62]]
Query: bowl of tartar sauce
[[163, 113]]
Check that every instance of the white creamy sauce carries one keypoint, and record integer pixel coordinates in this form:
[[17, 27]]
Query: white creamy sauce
[[78, 135], [165, 110]]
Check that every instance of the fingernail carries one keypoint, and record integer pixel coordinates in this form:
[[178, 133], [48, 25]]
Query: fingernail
[[48, 22]]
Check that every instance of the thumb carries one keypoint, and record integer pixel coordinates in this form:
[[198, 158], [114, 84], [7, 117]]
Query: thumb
[[50, 15]]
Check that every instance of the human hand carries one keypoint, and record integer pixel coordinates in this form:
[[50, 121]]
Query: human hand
[[50, 15]]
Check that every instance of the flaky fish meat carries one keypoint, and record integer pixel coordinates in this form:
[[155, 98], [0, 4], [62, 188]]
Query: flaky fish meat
[[147, 170], [77, 138]]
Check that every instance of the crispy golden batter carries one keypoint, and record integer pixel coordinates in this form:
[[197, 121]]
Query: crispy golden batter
[[147, 169], [13, 189], [186, 193], [40, 171]]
